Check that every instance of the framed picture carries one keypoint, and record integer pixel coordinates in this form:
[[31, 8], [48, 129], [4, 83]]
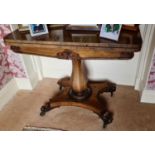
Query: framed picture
[[38, 29], [110, 31]]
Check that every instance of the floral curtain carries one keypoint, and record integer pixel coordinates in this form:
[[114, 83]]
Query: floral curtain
[[151, 79], [10, 62]]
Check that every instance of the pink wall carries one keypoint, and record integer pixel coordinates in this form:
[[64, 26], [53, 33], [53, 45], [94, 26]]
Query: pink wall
[[10, 62], [151, 79]]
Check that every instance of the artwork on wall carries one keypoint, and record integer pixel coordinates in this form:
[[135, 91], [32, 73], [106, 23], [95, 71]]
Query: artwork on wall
[[110, 31], [38, 29]]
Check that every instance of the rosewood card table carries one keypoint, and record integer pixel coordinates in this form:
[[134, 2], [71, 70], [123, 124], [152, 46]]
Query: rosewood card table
[[78, 44]]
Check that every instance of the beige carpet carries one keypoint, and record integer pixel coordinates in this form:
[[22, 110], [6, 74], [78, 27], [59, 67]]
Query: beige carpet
[[23, 110]]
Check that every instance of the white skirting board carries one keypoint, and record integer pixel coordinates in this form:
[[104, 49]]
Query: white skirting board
[[7, 92], [23, 83], [148, 96]]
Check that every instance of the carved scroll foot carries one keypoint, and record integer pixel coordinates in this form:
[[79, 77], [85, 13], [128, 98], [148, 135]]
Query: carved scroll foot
[[107, 118], [45, 108], [109, 87]]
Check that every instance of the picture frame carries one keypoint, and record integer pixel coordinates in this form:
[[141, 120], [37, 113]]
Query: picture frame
[[38, 29], [110, 31]]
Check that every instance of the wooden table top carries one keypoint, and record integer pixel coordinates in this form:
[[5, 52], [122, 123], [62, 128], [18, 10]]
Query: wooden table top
[[86, 42]]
